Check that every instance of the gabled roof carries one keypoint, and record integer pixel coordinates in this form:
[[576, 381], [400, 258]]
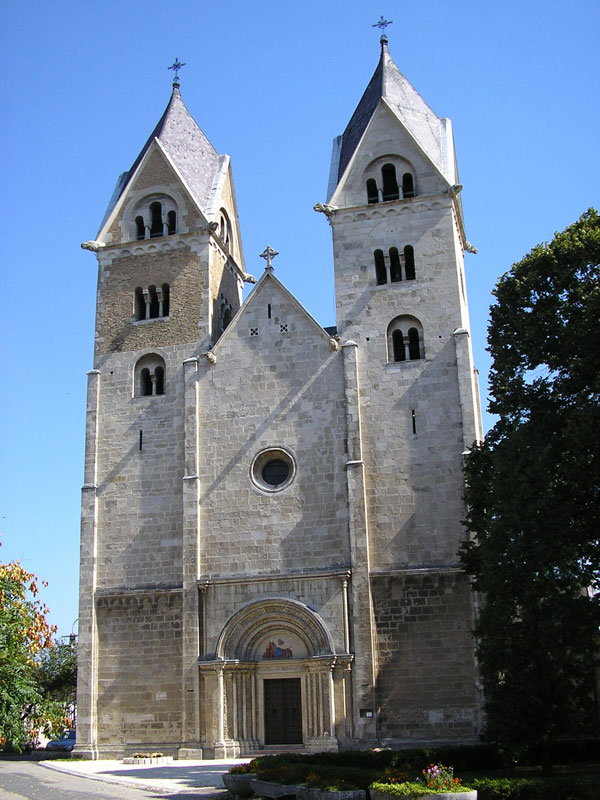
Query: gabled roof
[[422, 123], [187, 146], [267, 277]]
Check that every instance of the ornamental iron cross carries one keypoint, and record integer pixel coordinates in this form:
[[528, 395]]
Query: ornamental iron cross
[[177, 65], [382, 24], [269, 254]]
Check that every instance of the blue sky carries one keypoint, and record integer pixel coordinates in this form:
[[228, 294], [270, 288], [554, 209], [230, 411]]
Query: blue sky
[[270, 83]]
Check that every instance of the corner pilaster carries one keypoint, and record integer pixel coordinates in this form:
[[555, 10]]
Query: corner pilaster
[[362, 633], [191, 534], [87, 689]]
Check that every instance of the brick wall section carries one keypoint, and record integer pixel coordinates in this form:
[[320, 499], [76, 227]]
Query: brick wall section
[[139, 672], [426, 667], [182, 269]]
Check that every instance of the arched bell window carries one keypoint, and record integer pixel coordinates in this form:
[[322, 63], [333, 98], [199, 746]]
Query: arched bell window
[[395, 266], [140, 228], [156, 223], [151, 303], [409, 262], [372, 194], [380, 270], [390, 182], [405, 339], [149, 376], [408, 188]]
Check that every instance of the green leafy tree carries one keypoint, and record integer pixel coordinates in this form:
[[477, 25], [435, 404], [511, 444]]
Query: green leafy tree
[[57, 673], [24, 636], [533, 497]]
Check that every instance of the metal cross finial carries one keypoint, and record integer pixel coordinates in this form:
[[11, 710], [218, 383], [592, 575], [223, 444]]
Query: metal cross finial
[[176, 66], [269, 254], [382, 24]]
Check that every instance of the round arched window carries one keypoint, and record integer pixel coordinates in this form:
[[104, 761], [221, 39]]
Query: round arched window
[[273, 469]]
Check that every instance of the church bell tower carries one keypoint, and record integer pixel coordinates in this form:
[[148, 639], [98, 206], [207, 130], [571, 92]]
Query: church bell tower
[[170, 276], [398, 239]]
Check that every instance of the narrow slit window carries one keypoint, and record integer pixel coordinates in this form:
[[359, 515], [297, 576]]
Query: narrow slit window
[[390, 183], [269, 310], [372, 194], [409, 262], [395, 266], [141, 439], [414, 421], [380, 270]]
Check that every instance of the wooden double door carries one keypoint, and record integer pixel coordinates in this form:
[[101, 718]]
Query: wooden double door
[[283, 711]]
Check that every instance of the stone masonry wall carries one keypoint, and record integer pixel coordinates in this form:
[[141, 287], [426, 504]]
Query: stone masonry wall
[[280, 387], [413, 475], [321, 594], [139, 672], [426, 677], [140, 490]]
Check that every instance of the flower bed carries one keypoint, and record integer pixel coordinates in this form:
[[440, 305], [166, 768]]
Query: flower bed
[[436, 781]]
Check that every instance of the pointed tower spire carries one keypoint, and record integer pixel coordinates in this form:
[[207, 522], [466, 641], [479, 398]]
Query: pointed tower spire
[[185, 144], [389, 85]]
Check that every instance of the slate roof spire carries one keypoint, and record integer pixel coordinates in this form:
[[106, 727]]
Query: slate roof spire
[[186, 145], [390, 85]]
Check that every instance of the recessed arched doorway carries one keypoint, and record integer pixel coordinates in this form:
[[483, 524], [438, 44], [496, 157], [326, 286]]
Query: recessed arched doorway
[[277, 679]]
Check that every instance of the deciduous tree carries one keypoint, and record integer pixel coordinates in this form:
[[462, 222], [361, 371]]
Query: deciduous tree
[[533, 496], [24, 636]]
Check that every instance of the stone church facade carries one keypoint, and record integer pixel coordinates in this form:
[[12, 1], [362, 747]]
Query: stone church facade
[[271, 509]]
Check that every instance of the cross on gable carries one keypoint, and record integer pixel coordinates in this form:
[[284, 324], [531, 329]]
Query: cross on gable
[[269, 254]]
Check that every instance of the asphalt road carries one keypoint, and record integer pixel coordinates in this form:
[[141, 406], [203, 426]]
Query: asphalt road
[[26, 780]]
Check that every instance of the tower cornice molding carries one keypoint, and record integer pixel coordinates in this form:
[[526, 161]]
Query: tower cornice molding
[[391, 208]]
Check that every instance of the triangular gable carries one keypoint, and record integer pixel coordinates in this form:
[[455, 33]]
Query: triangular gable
[[357, 152], [254, 296], [196, 159], [122, 200], [431, 133]]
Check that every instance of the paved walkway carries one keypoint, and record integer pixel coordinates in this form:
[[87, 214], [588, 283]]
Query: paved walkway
[[180, 777]]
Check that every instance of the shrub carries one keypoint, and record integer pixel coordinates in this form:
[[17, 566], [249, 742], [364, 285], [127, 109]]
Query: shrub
[[535, 789], [243, 769]]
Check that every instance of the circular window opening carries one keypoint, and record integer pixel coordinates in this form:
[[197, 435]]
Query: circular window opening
[[273, 470]]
